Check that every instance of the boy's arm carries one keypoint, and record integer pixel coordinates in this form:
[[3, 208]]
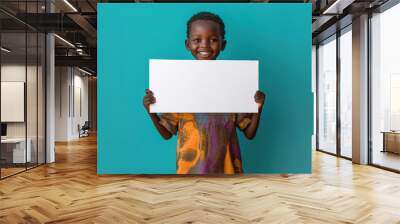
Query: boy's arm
[[251, 130], [150, 99], [161, 129]]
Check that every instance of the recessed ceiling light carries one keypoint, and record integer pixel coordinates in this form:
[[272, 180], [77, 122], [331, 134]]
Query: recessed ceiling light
[[70, 5], [84, 71], [338, 6], [5, 50], [65, 41]]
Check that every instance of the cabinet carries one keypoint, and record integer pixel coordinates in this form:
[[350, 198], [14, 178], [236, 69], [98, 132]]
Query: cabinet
[[391, 141], [13, 150]]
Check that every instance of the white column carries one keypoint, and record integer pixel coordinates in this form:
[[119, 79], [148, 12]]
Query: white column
[[62, 103], [50, 92], [360, 90], [50, 100]]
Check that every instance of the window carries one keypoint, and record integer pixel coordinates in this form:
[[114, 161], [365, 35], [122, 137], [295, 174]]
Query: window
[[346, 74], [327, 95], [385, 88]]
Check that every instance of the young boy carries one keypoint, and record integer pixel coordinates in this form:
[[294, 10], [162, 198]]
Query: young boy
[[207, 143]]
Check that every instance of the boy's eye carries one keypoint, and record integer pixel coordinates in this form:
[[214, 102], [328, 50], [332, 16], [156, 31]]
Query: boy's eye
[[214, 40], [195, 40]]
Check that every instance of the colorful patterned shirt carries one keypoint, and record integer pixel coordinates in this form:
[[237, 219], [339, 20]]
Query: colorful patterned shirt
[[207, 143]]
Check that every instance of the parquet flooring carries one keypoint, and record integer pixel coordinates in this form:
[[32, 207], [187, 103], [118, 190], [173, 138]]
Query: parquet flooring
[[70, 191], [10, 171]]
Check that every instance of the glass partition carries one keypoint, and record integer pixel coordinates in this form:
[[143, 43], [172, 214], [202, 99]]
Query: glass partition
[[22, 78], [14, 153], [327, 95], [385, 89], [346, 93]]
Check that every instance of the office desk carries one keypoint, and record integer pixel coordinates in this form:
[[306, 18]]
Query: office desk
[[391, 141], [13, 150]]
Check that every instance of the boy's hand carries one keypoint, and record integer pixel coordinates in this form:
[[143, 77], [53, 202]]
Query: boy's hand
[[148, 99], [259, 97]]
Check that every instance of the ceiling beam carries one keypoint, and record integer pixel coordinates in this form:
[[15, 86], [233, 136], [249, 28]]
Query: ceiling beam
[[337, 6], [86, 26], [82, 61]]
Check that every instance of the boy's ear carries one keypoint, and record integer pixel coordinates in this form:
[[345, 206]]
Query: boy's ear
[[223, 45], [187, 45]]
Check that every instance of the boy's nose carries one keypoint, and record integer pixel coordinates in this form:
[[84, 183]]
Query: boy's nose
[[204, 43]]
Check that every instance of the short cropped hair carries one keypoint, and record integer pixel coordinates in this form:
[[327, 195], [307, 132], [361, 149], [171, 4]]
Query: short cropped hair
[[206, 16]]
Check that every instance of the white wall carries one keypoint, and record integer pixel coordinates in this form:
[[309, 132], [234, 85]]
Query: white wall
[[62, 82], [16, 72], [80, 105], [33, 127], [9, 73], [71, 93]]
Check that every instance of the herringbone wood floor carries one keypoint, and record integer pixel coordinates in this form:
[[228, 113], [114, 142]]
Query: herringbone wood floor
[[69, 191]]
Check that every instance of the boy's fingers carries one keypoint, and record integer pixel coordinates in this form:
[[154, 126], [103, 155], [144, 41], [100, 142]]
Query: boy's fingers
[[259, 99], [149, 100], [149, 92], [260, 96], [149, 96], [259, 93]]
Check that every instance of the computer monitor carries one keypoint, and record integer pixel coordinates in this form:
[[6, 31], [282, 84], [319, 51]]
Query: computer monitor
[[3, 129]]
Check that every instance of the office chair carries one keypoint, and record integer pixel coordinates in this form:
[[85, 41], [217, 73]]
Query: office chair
[[84, 130]]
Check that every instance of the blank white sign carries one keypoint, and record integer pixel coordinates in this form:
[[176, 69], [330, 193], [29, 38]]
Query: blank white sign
[[203, 86], [12, 101]]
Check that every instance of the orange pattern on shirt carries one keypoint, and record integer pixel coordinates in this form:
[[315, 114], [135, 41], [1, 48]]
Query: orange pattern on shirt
[[207, 143]]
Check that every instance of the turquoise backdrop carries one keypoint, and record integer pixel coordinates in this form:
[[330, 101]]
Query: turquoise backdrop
[[278, 35]]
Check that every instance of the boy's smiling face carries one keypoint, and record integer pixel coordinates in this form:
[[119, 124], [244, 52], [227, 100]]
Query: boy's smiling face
[[205, 40]]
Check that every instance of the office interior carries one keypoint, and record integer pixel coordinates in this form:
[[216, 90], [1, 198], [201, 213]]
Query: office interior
[[49, 81], [379, 96]]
